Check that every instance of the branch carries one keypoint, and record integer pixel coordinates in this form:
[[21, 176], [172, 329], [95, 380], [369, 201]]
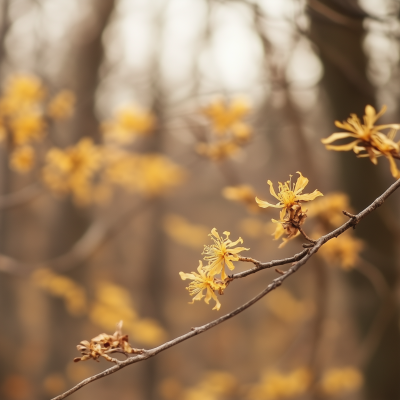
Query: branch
[[303, 257], [19, 197], [96, 234]]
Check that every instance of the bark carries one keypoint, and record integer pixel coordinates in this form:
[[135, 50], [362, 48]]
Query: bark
[[338, 33]]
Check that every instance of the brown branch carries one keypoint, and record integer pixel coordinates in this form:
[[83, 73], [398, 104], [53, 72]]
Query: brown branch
[[19, 197], [96, 234], [275, 283]]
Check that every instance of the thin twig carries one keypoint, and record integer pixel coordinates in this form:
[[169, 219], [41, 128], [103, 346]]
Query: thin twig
[[275, 283], [19, 197]]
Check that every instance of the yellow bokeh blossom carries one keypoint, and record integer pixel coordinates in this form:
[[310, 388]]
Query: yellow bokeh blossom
[[368, 138], [61, 106], [21, 92], [229, 133], [226, 116], [114, 302], [128, 123], [328, 209], [213, 386], [221, 253], [184, 232], [149, 174], [70, 170], [27, 127], [343, 250], [275, 385], [243, 194], [217, 151], [73, 294], [337, 381], [203, 281], [22, 159]]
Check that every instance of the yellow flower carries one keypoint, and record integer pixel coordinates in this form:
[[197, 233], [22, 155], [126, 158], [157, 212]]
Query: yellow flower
[[329, 209], [344, 250], [225, 116], [27, 126], [221, 253], [337, 381], [129, 122], [22, 159], [203, 281], [219, 150], [289, 195], [242, 193], [21, 91], [368, 138], [71, 170], [62, 105], [149, 174]]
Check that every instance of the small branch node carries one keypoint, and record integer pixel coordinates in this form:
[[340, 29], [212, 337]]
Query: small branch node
[[279, 271], [352, 216]]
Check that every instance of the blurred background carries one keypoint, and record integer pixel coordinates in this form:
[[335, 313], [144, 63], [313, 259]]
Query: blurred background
[[128, 131]]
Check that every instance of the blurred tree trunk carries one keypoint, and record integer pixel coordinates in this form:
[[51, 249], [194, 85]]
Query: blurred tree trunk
[[82, 75], [337, 30]]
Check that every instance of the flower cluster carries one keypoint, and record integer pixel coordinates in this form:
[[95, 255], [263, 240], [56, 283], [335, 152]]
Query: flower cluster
[[128, 123], [24, 117], [219, 254], [71, 170], [327, 213], [228, 131], [368, 138], [290, 198], [242, 194], [104, 344], [278, 385]]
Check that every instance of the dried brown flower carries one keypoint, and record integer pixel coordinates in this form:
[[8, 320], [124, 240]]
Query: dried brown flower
[[104, 344]]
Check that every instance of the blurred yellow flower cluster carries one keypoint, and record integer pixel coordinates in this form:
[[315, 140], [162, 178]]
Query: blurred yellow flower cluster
[[71, 170], [128, 123], [229, 133], [23, 116], [287, 308], [149, 174], [74, 295], [88, 171], [327, 213], [275, 385], [113, 302], [244, 194], [368, 138], [214, 385], [337, 381], [219, 254], [182, 231], [290, 198]]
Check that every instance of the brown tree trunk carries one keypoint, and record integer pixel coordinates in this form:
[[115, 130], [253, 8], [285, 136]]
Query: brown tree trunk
[[337, 30]]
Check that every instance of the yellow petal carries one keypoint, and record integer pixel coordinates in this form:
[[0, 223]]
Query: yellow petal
[[186, 276], [214, 232], [301, 183], [309, 196], [218, 304], [238, 250], [393, 167], [272, 190], [337, 136], [265, 204], [344, 147], [240, 240]]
